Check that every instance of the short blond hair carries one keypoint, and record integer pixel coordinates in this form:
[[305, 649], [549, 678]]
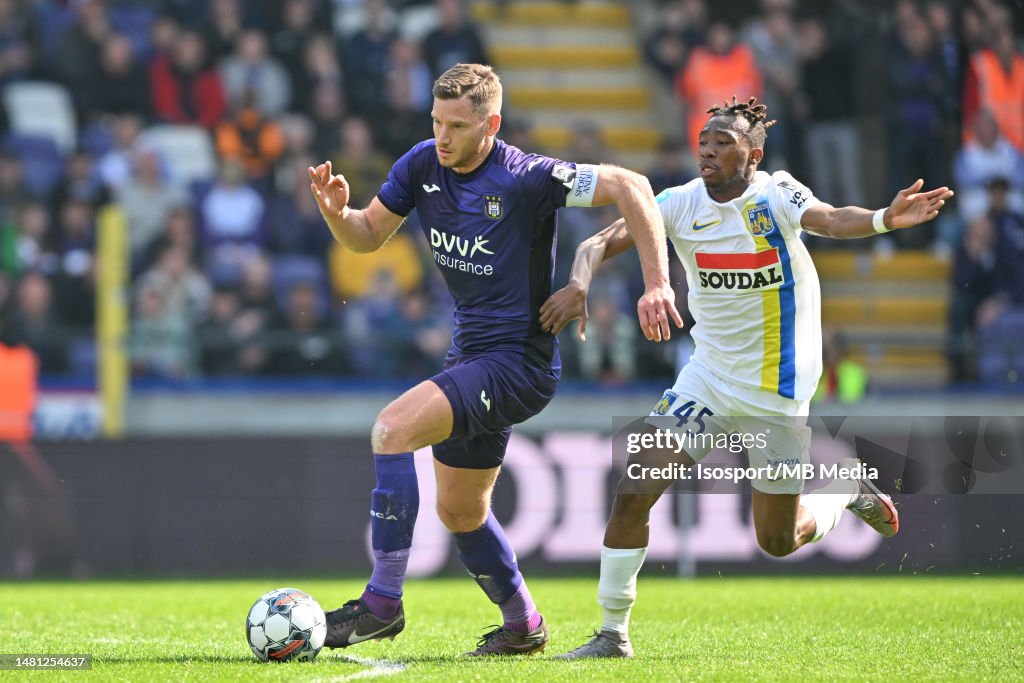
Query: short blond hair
[[477, 81]]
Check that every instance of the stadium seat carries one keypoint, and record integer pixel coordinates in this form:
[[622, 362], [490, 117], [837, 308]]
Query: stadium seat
[[41, 108], [187, 150], [41, 162], [53, 20]]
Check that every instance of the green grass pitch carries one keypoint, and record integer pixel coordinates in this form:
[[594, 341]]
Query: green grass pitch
[[722, 629]]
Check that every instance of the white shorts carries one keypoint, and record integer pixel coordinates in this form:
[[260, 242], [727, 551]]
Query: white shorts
[[703, 403]]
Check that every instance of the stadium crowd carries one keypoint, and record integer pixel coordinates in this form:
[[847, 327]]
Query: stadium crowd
[[234, 273]]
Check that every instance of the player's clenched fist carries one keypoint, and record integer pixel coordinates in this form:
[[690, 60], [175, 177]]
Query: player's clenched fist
[[331, 191]]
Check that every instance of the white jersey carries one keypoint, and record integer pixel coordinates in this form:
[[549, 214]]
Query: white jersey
[[754, 292]]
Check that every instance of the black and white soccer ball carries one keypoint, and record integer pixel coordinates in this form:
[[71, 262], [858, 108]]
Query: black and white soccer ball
[[286, 624]]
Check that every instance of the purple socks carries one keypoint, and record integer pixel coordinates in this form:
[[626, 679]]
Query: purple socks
[[492, 563], [396, 501]]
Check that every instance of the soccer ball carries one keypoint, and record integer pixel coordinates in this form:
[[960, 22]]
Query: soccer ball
[[286, 624]]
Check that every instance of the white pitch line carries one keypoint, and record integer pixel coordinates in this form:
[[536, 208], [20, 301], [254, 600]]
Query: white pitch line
[[378, 668]]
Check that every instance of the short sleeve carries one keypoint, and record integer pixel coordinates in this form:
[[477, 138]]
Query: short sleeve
[[547, 180], [396, 194], [671, 205], [792, 198]]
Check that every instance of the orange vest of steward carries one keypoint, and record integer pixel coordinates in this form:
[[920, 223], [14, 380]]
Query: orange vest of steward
[[17, 392], [1002, 93]]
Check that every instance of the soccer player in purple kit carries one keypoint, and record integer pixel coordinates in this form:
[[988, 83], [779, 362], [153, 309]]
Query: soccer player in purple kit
[[488, 212]]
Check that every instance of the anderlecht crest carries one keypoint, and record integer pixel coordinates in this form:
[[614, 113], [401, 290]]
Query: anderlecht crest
[[759, 219], [492, 205]]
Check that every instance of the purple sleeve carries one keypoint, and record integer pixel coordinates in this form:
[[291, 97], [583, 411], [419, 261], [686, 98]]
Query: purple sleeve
[[547, 180], [396, 194]]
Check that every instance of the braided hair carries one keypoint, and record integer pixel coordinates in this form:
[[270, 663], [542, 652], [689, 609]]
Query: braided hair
[[751, 110]]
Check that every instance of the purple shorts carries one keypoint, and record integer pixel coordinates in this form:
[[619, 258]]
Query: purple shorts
[[489, 393]]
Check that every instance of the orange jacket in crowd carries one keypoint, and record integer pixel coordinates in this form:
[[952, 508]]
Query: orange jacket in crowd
[[710, 79], [989, 86], [251, 139]]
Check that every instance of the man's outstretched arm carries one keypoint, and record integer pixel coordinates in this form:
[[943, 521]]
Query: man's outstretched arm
[[359, 230], [909, 208], [570, 302], [631, 192]]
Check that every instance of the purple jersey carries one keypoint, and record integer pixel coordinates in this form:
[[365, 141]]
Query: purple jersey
[[492, 234]]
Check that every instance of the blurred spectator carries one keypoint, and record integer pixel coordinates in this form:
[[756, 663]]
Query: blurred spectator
[[297, 136], [713, 74], [81, 47], [184, 90], [995, 81], [252, 139], [915, 124], [608, 355], [162, 343], [232, 215], [75, 284], [429, 333], [973, 283], [305, 341], [184, 291], [19, 42], [294, 223], [252, 78], [301, 22], [1009, 229], [986, 156], [518, 133], [773, 40], [455, 41], [585, 144], [13, 190], [408, 100], [374, 329], [680, 26], [830, 112], [27, 241], [843, 379], [219, 338], [328, 114], [257, 294], [320, 67], [673, 166], [147, 199], [81, 182], [223, 27], [951, 52], [179, 231], [115, 166], [366, 59], [363, 166], [119, 86], [34, 322]]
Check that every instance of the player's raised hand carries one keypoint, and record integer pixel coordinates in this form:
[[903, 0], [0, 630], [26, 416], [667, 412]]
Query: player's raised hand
[[567, 304], [911, 206], [331, 191], [654, 309]]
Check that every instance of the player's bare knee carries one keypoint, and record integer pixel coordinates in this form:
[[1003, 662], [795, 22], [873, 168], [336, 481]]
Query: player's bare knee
[[387, 436], [459, 520], [633, 508], [777, 544]]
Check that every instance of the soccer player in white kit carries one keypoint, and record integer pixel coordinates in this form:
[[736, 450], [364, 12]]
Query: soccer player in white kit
[[755, 297]]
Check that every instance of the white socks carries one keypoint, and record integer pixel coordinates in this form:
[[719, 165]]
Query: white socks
[[616, 590], [826, 506]]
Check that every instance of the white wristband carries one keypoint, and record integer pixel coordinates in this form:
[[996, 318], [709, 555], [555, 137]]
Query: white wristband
[[878, 222]]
